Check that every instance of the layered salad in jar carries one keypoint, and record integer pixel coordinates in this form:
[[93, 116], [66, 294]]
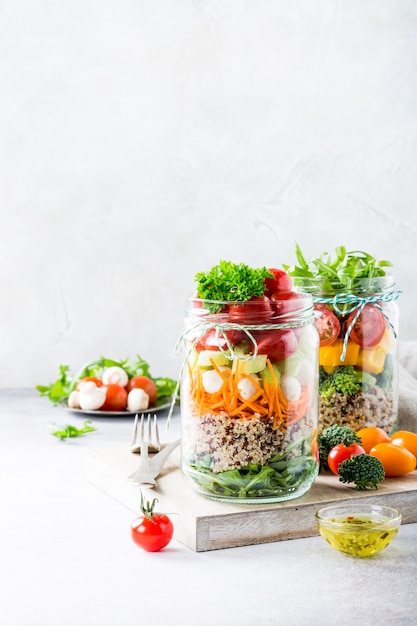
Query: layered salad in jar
[[356, 316], [249, 386]]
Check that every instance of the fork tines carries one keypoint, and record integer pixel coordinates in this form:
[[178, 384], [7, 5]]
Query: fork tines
[[147, 433]]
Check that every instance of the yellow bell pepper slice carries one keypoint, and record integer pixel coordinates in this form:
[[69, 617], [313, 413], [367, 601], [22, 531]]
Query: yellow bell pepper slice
[[387, 342], [329, 356], [371, 360]]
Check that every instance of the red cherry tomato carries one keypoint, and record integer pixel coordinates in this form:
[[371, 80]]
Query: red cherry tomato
[[210, 342], [341, 453], [281, 282], [255, 310], [145, 383], [369, 327], [151, 531], [286, 301], [277, 344], [89, 379], [116, 398], [327, 324]]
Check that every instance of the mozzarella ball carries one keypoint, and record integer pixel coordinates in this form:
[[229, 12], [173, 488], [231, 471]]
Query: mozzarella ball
[[291, 387], [92, 399], [212, 381], [86, 386], [137, 400], [74, 400], [246, 388], [115, 375], [305, 373]]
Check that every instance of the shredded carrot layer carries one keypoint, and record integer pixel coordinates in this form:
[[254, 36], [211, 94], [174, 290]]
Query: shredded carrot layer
[[268, 400]]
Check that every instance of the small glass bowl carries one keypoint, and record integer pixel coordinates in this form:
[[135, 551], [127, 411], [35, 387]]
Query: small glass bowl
[[360, 530]]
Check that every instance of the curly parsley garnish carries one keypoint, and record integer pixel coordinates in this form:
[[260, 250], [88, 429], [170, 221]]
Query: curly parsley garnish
[[231, 282]]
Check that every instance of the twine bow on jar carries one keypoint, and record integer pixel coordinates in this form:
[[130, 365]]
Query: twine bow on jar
[[191, 336], [357, 303]]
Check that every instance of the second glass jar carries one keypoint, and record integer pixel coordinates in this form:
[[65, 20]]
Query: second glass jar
[[358, 353]]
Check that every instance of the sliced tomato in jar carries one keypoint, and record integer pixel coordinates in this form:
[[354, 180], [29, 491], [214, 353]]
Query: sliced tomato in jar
[[277, 344], [281, 282], [327, 324], [209, 341], [369, 328], [256, 310], [284, 302]]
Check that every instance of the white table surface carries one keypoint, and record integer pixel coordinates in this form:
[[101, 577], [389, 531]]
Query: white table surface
[[67, 559]]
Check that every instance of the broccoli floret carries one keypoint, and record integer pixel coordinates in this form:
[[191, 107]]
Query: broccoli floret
[[345, 379], [364, 470], [323, 376], [331, 437]]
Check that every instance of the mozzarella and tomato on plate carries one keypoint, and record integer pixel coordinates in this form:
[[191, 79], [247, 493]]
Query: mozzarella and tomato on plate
[[115, 391]]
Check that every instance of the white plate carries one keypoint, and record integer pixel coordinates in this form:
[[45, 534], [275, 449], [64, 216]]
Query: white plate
[[154, 409]]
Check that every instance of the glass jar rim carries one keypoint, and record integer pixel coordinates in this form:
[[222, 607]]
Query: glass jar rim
[[366, 285], [202, 309]]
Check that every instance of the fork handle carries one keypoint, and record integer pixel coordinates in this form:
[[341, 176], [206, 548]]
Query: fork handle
[[158, 460]]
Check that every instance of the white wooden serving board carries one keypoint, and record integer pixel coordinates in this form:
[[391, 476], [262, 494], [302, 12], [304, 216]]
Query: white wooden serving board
[[203, 524]]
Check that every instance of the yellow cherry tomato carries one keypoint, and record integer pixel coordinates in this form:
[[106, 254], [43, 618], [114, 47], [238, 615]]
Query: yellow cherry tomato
[[371, 435], [407, 439], [395, 459]]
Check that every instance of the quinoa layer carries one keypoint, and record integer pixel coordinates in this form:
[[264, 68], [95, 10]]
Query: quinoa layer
[[371, 408], [232, 443]]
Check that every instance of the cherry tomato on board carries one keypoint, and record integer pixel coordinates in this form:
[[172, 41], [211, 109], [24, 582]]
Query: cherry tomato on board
[[407, 439], [369, 328], [145, 383], [281, 282], [395, 459], [327, 324], [286, 301], [116, 398], [256, 310], [341, 453], [89, 379], [277, 344], [371, 435], [151, 531]]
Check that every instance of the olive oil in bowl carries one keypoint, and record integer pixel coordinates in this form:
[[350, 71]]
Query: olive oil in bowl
[[358, 530]]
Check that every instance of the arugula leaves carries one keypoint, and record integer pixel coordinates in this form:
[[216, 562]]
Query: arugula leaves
[[61, 388], [342, 272], [282, 474], [59, 391], [231, 282], [67, 430]]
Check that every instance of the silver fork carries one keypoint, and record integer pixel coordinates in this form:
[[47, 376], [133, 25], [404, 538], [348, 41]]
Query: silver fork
[[154, 444], [149, 468], [144, 474]]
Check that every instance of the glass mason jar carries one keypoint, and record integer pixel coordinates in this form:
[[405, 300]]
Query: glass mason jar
[[249, 407], [358, 353]]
